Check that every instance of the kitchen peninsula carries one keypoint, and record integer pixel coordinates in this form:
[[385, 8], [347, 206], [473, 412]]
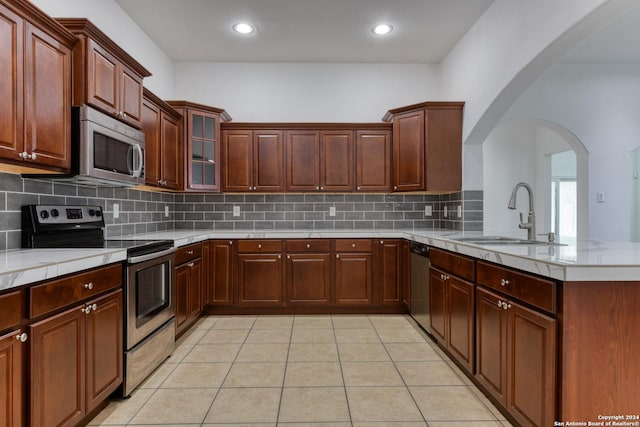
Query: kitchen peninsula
[[593, 310]]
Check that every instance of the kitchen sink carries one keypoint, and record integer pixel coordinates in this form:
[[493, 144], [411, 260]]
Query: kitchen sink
[[502, 240]]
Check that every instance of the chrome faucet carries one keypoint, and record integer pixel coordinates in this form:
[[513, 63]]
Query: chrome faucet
[[530, 225]]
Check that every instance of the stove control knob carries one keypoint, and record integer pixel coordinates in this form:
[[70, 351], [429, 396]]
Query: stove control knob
[[92, 212], [98, 213], [44, 214], [55, 213]]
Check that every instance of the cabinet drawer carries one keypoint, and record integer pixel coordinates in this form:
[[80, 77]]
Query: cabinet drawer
[[59, 293], [353, 245], [456, 264], [258, 246], [308, 245], [530, 289], [188, 253], [10, 310]]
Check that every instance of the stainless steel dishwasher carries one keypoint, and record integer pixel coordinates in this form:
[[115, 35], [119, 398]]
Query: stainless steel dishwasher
[[419, 308]]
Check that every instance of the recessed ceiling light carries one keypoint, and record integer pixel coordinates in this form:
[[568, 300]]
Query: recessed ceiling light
[[243, 28], [382, 29]]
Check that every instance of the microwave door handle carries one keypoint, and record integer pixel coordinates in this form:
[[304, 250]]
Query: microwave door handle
[[138, 171]]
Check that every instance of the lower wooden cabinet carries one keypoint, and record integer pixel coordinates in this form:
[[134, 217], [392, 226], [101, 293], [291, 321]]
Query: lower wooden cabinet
[[308, 272], [219, 284], [451, 303], [188, 286], [76, 361], [516, 357], [353, 278], [389, 271], [11, 383], [260, 279]]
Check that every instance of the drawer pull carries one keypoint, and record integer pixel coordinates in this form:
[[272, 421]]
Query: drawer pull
[[88, 285], [288, 256], [189, 252], [382, 242], [308, 245], [504, 282], [191, 264], [279, 256], [353, 245], [337, 255], [23, 337], [231, 242], [259, 246]]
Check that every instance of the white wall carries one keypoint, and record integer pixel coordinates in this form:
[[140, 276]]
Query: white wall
[[312, 92], [118, 26], [601, 106]]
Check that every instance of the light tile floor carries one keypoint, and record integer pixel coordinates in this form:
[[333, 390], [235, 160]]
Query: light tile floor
[[322, 371]]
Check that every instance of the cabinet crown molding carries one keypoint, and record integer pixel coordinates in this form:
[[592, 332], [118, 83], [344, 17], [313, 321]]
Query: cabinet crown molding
[[147, 94], [224, 116], [27, 10], [307, 126], [441, 105], [85, 28]]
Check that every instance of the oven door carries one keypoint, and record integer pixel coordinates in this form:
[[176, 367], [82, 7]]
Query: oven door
[[149, 296]]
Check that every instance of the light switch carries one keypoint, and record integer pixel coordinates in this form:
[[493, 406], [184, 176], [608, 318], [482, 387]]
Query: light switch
[[236, 211], [600, 196], [428, 210], [332, 211], [116, 210]]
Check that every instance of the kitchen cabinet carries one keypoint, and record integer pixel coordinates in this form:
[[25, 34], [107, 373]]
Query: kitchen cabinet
[[105, 76], [389, 271], [163, 155], [200, 129], [35, 80], [516, 351], [451, 304], [516, 342], [253, 160], [353, 272], [406, 281], [308, 272], [220, 278], [319, 160], [260, 274], [427, 146], [76, 360], [12, 352], [188, 286], [373, 160]]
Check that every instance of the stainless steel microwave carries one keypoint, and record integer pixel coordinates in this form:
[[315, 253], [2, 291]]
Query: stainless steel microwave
[[105, 150]]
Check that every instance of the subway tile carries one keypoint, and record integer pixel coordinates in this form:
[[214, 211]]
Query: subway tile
[[214, 198], [254, 216], [264, 225], [344, 206], [402, 225], [294, 198], [363, 207], [37, 186], [383, 206], [284, 207], [303, 207], [223, 225], [314, 198], [372, 216], [363, 225], [204, 207], [194, 198], [3, 201], [264, 207], [16, 200], [303, 225], [105, 192], [11, 182], [14, 239], [75, 201], [274, 198], [274, 216], [51, 200], [243, 225], [334, 198], [234, 198], [390, 216], [254, 198], [213, 216], [354, 216], [314, 216], [354, 198], [294, 216]]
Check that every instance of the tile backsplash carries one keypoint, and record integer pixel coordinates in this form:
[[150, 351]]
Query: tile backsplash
[[144, 211]]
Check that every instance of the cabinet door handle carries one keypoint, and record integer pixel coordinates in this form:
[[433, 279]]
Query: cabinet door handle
[[358, 188], [504, 282], [279, 256], [86, 310], [317, 188], [189, 252], [382, 242], [259, 246], [288, 256], [23, 337], [308, 245], [395, 187], [88, 285], [191, 264], [337, 255], [231, 242], [353, 245]]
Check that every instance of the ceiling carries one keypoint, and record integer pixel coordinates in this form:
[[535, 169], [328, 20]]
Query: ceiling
[[305, 30]]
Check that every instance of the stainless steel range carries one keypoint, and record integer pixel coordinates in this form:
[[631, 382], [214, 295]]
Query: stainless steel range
[[149, 333]]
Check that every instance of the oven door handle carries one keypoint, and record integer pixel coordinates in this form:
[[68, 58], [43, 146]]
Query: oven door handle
[[154, 255]]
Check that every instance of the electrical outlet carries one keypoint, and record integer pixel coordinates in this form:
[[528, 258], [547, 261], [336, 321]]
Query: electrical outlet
[[428, 210], [332, 211], [600, 196], [459, 211], [445, 212], [166, 211], [116, 210], [236, 211]]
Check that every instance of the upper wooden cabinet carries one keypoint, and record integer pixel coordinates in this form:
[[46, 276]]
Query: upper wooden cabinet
[[373, 160], [35, 82], [427, 146], [163, 156], [200, 127], [253, 160], [306, 157], [105, 76]]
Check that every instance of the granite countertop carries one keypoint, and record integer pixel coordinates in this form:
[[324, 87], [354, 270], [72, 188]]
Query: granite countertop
[[580, 261]]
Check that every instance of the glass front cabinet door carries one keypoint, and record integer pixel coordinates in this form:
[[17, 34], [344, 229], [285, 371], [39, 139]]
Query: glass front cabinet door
[[202, 145]]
